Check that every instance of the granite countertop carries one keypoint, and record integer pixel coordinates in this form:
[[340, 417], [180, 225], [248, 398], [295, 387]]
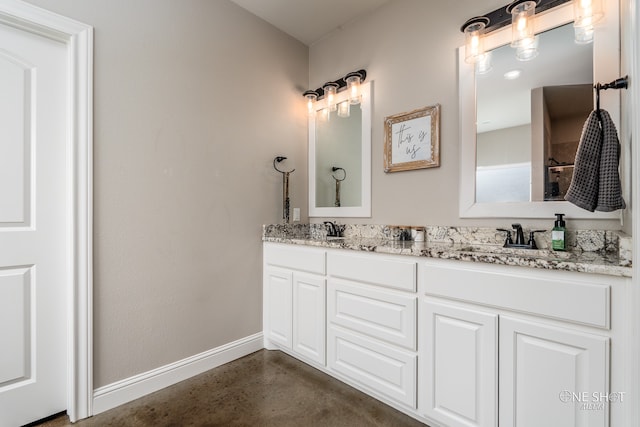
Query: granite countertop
[[609, 262]]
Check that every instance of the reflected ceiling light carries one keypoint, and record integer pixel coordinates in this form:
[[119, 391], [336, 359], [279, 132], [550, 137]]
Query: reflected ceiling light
[[352, 81], [513, 74]]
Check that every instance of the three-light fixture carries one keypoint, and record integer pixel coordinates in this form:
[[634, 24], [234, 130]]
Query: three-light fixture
[[520, 15], [330, 90]]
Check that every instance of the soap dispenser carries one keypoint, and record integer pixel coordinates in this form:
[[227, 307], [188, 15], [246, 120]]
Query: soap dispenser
[[558, 234]]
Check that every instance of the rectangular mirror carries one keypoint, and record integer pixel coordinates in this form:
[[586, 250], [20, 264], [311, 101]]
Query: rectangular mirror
[[527, 115], [340, 158], [519, 135]]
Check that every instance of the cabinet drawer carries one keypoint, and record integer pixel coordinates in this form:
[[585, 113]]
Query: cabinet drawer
[[377, 270], [380, 368], [380, 313], [543, 293], [295, 257]]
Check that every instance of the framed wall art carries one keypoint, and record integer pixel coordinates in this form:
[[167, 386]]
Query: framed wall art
[[412, 140]]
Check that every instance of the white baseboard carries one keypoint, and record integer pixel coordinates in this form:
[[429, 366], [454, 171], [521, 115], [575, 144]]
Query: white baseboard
[[120, 392]]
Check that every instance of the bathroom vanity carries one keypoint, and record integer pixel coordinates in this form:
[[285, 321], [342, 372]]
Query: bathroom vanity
[[451, 335]]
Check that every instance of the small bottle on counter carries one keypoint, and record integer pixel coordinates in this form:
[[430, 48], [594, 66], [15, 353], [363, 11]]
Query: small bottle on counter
[[558, 234]]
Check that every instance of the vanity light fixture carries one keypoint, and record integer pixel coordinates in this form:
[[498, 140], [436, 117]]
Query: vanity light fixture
[[330, 91], [311, 96], [586, 13], [351, 81], [522, 29], [473, 31], [520, 14]]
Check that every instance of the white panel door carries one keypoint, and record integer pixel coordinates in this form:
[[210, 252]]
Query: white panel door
[[459, 374], [34, 226], [309, 325], [552, 376], [279, 294]]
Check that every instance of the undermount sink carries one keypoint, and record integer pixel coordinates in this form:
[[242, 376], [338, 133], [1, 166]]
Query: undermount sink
[[499, 250]]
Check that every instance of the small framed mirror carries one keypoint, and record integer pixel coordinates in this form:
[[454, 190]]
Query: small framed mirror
[[340, 157], [519, 136]]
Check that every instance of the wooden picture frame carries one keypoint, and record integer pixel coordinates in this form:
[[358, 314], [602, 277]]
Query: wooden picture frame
[[412, 140]]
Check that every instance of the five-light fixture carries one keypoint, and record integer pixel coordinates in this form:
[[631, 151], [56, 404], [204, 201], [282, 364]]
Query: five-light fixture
[[520, 14], [329, 91]]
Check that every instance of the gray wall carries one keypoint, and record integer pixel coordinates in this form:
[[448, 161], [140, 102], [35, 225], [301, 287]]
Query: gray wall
[[504, 146], [193, 100], [409, 49]]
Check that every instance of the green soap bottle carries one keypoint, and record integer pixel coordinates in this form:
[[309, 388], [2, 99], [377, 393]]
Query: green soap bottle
[[558, 233]]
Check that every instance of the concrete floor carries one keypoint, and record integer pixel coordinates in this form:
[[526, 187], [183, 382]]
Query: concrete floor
[[266, 388]]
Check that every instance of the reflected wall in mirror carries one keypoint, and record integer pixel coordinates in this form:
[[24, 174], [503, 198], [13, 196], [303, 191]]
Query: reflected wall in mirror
[[338, 146], [517, 143], [340, 158], [532, 111]]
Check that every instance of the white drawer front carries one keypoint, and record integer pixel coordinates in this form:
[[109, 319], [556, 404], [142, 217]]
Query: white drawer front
[[383, 314], [558, 297], [375, 269], [311, 260], [379, 368]]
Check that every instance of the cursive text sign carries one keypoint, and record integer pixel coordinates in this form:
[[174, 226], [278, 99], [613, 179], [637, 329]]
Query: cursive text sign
[[412, 140]]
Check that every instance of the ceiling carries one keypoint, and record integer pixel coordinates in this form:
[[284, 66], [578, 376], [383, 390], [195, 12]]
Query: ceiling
[[309, 20]]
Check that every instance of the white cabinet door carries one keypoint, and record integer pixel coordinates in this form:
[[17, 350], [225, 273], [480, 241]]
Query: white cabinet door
[[458, 379], [278, 305], [551, 376], [309, 316]]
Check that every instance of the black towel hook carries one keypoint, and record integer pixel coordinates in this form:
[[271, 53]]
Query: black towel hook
[[620, 83]]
